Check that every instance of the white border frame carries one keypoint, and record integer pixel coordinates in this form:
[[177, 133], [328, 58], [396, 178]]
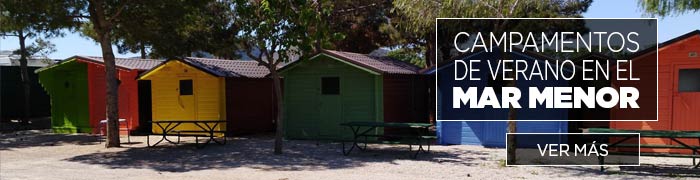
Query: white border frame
[[639, 151], [656, 20]]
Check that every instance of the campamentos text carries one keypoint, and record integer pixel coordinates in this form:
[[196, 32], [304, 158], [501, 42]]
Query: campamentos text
[[499, 95], [557, 41]]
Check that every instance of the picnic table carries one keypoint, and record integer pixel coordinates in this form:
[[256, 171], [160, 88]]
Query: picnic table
[[674, 136], [206, 128], [362, 132]]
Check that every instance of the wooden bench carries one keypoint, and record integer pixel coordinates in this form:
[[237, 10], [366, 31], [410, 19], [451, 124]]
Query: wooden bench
[[674, 136], [656, 154], [394, 140], [206, 128], [195, 134], [418, 137]]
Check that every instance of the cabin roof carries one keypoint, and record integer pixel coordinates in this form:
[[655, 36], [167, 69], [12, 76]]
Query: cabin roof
[[373, 64], [229, 68], [123, 63], [127, 63], [222, 67], [664, 44], [384, 65]]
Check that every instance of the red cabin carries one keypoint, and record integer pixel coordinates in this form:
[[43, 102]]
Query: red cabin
[[127, 72], [678, 90]]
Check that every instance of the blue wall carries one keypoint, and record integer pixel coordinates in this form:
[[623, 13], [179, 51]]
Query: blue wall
[[492, 133]]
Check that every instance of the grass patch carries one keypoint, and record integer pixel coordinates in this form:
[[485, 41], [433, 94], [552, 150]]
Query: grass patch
[[502, 163]]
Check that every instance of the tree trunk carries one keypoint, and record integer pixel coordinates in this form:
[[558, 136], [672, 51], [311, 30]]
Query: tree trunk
[[317, 44], [512, 116], [511, 142], [24, 71], [512, 112], [512, 128], [143, 51], [103, 29], [279, 132], [430, 50], [112, 92]]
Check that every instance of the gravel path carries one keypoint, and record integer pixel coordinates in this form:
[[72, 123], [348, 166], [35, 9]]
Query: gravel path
[[42, 155]]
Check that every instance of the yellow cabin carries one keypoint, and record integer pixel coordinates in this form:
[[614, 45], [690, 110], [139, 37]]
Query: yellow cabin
[[195, 89]]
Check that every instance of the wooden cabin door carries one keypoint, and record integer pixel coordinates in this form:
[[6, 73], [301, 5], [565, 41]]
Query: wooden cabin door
[[330, 106], [145, 105], [686, 99], [686, 102], [186, 99]]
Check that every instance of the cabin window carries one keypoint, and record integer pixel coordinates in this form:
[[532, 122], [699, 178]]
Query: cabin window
[[689, 80], [186, 87], [330, 85]]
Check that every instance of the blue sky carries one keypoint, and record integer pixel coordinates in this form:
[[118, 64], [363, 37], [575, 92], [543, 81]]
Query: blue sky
[[669, 27]]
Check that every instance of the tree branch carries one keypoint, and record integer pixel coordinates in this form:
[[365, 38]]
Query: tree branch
[[489, 5], [119, 11], [271, 57], [248, 51], [79, 16], [512, 8], [293, 7], [355, 8]]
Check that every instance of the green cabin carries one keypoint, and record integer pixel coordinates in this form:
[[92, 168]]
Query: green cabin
[[67, 85], [77, 91], [333, 87]]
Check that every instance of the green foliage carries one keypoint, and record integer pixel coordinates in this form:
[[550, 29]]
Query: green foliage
[[357, 24], [419, 16], [35, 18], [175, 28], [665, 8], [415, 20], [279, 29], [40, 47], [407, 55]]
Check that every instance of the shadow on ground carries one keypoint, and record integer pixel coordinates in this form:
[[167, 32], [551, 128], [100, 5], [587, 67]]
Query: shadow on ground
[[662, 170], [644, 170], [256, 153], [10, 125], [34, 138]]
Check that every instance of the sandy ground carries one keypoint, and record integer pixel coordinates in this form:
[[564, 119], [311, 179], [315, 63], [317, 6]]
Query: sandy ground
[[42, 155]]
